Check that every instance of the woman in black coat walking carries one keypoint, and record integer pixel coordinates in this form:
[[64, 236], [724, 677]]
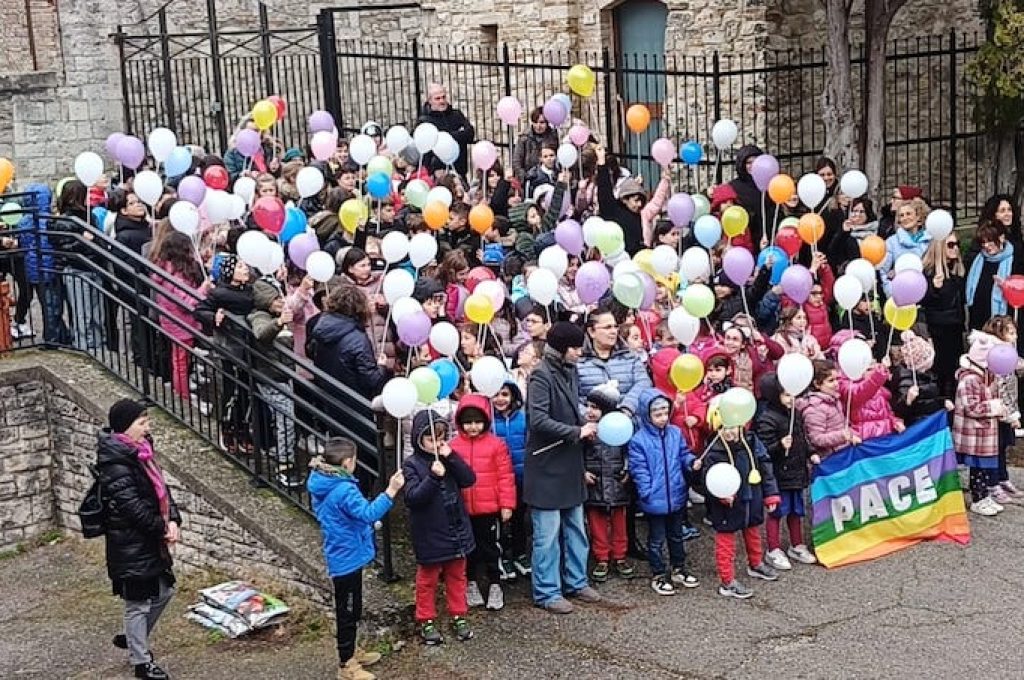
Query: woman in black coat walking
[[141, 524]]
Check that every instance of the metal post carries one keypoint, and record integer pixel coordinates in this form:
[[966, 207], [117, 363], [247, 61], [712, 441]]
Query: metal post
[[268, 64], [328, 44], [507, 72], [383, 475], [217, 103], [611, 111], [119, 38], [716, 95], [952, 121], [417, 87], [165, 65]]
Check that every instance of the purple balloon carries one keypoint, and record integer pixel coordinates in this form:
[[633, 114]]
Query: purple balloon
[[112, 142], [320, 121], [765, 167], [796, 283], [247, 142], [738, 265], [908, 287], [592, 281], [680, 209], [192, 189], [554, 112], [414, 329], [131, 152], [650, 290], [1002, 359], [569, 235], [301, 247]]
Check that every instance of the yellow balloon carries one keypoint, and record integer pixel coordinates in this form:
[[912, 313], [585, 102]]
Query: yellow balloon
[[6, 173], [714, 417], [353, 212], [643, 260], [264, 114], [900, 318], [581, 80], [479, 308], [686, 372], [735, 220]]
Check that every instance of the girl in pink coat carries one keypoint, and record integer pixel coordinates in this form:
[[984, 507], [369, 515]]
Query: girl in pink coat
[[871, 413], [823, 414], [177, 320]]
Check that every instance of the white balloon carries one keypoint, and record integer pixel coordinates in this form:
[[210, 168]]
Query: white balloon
[[394, 247], [847, 291], [854, 358], [908, 261], [542, 286], [397, 138], [853, 183], [161, 143], [320, 266], [444, 337], [626, 266], [273, 258], [309, 182], [88, 168], [217, 205], [251, 247], [184, 217], [592, 228], [148, 187], [404, 307], [724, 133], [399, 397], [488, 375], [425, 137], [683, 326], [722, 480], [237, 207], [939, 224], [361, 149], [446, 148], [567, 155], [811, 190], [695, 264], [422, 249], [555, 260], [664, 260], [795, 372], [442, 194], [863, 271], [398, 284], [246, 188], [493, 290]]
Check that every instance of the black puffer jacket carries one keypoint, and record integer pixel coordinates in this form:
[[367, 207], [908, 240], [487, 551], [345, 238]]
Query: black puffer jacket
[[455, 123], [136, 550], [790, 467], [608, 464], [132, 234], [527, 151], [237, 300], [341, 348], [748, 506], [616, 211], [750, 197], [928, 400]]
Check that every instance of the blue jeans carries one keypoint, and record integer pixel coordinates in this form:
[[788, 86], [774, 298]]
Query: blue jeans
[[658, 528], [552, 575], [84, 291], [52, 302]]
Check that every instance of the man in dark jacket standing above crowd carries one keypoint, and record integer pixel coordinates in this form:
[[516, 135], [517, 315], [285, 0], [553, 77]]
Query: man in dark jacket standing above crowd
[[439, 111]]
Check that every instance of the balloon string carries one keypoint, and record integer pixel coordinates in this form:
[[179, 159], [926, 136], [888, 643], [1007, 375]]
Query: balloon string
[[888, 345], [430, 417], [792, 419], [497, 342], [399, 446], [746, 308]]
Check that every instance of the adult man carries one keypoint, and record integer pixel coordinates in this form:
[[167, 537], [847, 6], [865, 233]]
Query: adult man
[[441, 113], [553, 474]]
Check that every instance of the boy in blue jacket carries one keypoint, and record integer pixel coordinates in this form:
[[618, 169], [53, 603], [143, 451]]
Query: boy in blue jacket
[[658, 457], [510, 426], [346, 521]]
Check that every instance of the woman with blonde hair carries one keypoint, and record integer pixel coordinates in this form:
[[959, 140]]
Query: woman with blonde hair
[[944, 308]]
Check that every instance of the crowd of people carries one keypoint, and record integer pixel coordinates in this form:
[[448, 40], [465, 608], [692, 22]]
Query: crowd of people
[[518, 475]]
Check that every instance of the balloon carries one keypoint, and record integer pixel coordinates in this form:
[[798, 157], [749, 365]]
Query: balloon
[[592, 281], [444, 337], [680, 209], [610, 239], [847, 291], [427, 383], [442, 194], [184, 217], [309, 182], [795, 372], [301, 247], [638, 117], [414, 330], [567, 155], [581, 80], [394, 247], [738, 264], [691, 153], [435, 215], [698, 300], [113, 139], [268, 214], [425, 137], [908, 287], [320, 266], [192, 189], [6, 172], [736, 407], [853, 183], [701, 205], [908, 261], [361, 149], [248, 143], [796, 283], [446, 148], [131, 152], [781, 188], [406, 307], [695, 264], [378, 185], [542, 286], [488, 375], [625, 266], [579, 134], [863, 271], [494, 291], [274, 258], [416, 192], [178, 162], [1013, 290], [569, 235], [664, 260], [397, 284], [399, 397], [764, 168], [686, 372], [447, 373], [88, 168], [320, 121], [780, 262], [615, 428], [509, 110], [237, 206], [481, 218], [592, 227], [279, 104], [735, 220], [663, 151], [10, 213], [854, 358], [323, 145], [789, 240], [264, 114], [246, 188], [872, 249], [722, 480], [484, 155], [397, 138], [900, 318], [811, 228], [708, 231], [629, 290], [939, 224], [643, 260], [554, 259], [422, 249], [811, 189], [1002, 359], [724, 133], [161, 142], [479, 309], [352, 213], [476, 276], [251, 246], [148, 187], [683, 326], [217, 205], [554, 112]]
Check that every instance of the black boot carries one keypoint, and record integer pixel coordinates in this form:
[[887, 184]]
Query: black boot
[[150, 671]]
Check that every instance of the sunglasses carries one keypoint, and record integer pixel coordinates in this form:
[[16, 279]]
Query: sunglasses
[[952, 244]]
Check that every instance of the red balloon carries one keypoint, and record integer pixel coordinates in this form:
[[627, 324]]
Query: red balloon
[[268, 214], [279, 104], [1013, 290], [476, 275], [789, 240], [216, 177]]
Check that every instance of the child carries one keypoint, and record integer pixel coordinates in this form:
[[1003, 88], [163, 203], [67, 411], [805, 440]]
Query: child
[[824, 413], [790, 453], [438, 523], [607, 495], [493, 494], [346, 522], [915, 386], [1005, 491], [452, 274], [717, 380], [871, 414], [510, 426], [658, 457]]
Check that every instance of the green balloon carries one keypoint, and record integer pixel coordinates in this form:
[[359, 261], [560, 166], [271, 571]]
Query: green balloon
[[416, 193], [380, 164], [736, 407], [629, 290], [610, 239], [60, 186], [701, 206], [698, 300], [428, 384], [10, 213]]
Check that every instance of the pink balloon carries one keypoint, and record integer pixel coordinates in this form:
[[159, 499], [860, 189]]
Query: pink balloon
[[569, 235], [908, 287], [592, 281], [796, 283], [414, 329], [579, 134], [509, 110], [484, 155], [764, 168], [554, 112], [323, 145], [1002, 359], [738, 265], [680, 209], [663, 151], [301, 247]]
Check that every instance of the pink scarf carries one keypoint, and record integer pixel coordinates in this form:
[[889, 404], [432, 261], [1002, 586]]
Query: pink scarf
[[156, 477]]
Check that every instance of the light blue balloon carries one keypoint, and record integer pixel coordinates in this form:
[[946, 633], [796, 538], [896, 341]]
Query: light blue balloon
[[707, 230], [449, 374], [178, 162], [615, 428], [781, 262], [378, 185], [691, 152]]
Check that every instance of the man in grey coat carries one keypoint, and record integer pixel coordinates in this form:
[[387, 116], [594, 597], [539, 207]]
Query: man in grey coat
[[553, 474]]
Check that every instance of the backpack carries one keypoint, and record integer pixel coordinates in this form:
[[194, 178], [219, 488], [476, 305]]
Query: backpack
[[92, 513]]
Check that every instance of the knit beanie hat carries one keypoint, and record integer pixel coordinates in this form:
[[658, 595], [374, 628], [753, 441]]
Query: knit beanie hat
[[723, 193], [908, 192], [980, 345], [564, 335], [605, 396], [918, 353], [124, 413], [517, 214], [630, 187]]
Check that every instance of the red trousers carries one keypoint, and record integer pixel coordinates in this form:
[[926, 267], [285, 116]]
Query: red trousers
[[427, 578], [725, 551], [179, 370], [773, 531], [607, 532]]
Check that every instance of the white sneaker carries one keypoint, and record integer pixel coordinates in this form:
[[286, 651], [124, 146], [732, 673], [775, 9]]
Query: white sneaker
[[996, 504], [473, 596], [695, 497], [778, 559], [984, 507], [495, 598], [802, 554], [203, 407]]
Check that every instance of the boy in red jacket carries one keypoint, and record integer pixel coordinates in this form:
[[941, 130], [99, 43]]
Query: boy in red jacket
[[493, 495]]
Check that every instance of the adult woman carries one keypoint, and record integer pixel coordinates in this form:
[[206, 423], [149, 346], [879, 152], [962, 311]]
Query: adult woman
[[354, 267], [856, 225], [81, 282], [141, 524], [910, 237], [606, 357], [943, 307], [527, 151], [794, 336], [1001, 211], [993, 265], [826, 169]]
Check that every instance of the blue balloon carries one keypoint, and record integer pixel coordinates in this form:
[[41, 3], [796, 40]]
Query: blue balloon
[[615, 428], [178, 162], [707, 230], [691, 152], [378, 185], [294, 224], [449, 374], [781, 262]]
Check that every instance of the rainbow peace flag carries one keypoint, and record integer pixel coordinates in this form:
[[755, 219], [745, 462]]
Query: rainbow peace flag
[[887, 494]]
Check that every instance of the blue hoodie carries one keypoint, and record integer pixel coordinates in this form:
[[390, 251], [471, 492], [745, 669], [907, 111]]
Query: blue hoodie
[[658, 458], [511, 427], [37, 201], [346, 519]]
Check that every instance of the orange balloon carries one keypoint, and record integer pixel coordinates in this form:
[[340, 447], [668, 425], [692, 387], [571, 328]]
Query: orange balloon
[[6, 173], [811, 228], [638, 117], [872, 249], [435, 214], [481, 218], [781, 188]]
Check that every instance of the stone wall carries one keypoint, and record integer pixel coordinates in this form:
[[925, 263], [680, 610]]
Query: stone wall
[[26, 495]]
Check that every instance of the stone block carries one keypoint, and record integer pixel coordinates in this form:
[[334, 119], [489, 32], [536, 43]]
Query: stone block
[[15, 514]]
